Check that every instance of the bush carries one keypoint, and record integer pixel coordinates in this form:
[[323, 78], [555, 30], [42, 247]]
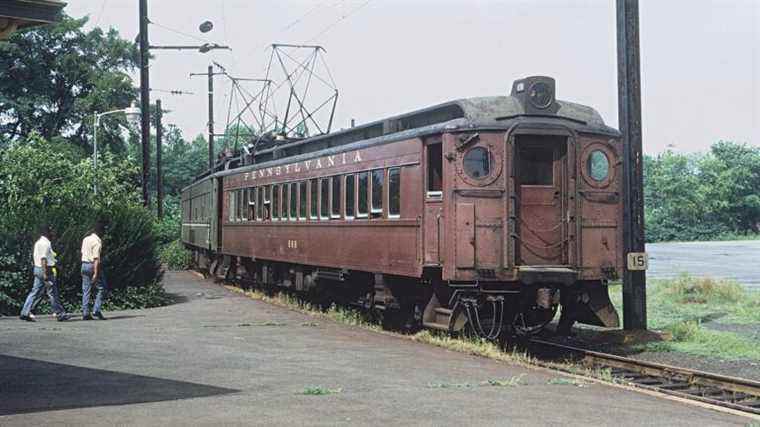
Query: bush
[[175, 257], [167, 230], [42, 181]]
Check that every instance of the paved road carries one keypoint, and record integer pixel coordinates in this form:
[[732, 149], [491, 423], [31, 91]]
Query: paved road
[[739, 260], [218, 357]]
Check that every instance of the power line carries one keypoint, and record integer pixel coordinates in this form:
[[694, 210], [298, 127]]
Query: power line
[[196, 38], [337, 21]]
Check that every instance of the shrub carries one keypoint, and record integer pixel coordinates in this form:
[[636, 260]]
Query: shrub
[[175, 257], [42, 181]]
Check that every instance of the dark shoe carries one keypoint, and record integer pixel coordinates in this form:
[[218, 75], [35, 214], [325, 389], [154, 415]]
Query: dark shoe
[[63, 317], [99, 316], [87, 317], [27, 318]]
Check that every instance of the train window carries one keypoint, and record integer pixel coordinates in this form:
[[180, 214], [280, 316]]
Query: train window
[[261, 213], [239, 204], [248, 197], [378, 178], [324, 198], [536, 165], [477, 163], [293, 201], [313, 192], [285, 200], [363, 187], [231, 206], [275, 202], [394, 192], [267, 203], [335, 212], [598, 165], [302, 200], [350, 195], [435, 170]]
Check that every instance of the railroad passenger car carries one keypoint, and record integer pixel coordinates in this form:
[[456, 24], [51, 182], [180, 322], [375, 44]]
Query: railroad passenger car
[[482, 214]]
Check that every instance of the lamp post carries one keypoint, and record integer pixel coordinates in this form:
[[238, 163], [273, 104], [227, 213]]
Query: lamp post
[[131, 112]]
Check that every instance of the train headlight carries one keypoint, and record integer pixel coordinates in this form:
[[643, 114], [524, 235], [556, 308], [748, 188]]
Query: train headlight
[[540, 95]]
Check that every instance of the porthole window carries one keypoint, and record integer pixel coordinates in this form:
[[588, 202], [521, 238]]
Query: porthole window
[[598, 166], [477, 163]]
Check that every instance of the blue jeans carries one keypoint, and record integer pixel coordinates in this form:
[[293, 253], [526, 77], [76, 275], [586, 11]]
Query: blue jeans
[[87, 270], [36, 294]]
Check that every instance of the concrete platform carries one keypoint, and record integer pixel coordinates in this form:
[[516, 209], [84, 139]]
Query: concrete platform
[[217, 357]]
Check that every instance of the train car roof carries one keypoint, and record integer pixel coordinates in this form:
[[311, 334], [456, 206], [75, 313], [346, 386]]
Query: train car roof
[[493, 112]]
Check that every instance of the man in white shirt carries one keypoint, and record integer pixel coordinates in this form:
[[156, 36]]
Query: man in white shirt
[[92, 272], [44, 277]]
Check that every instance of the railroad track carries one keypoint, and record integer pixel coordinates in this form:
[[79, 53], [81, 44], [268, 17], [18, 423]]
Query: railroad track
[[728, 392]]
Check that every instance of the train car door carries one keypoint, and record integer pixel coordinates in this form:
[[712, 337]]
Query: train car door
[[540, 186], [473, 164]]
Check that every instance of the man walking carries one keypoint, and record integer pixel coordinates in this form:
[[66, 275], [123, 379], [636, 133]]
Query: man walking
[[92, 272], [44, 277]]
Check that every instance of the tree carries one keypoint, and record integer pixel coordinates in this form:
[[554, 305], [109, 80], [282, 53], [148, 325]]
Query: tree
[[43, 182], [53, 78]]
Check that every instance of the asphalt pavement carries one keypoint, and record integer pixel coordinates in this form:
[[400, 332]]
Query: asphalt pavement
[[217, 357], [738, 260]]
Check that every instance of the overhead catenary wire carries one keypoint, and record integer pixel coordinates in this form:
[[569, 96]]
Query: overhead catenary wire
[[338, 21]]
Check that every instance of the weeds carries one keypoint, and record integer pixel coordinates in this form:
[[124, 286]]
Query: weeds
[[508, 382], [320, 391], [567, 381], [497, 382], [687, 289]]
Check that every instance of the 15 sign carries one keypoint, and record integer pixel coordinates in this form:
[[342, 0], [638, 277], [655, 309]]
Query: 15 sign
[[638, 261]]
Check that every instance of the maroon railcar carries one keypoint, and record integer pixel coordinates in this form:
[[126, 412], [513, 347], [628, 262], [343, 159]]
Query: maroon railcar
[[481, 213]]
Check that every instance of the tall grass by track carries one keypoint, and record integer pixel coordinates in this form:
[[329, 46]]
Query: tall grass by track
[[686, 305]]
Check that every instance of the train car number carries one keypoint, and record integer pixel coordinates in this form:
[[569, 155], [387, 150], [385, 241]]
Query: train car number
[[292, 244], [638, 261]]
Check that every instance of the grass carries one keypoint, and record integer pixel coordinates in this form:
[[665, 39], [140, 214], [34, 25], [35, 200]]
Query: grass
[[567, 381], [320, 391], [496, 382], [685, 306]]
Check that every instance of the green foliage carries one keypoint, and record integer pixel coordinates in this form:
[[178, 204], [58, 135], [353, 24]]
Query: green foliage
[[43, 182], [320, 391], [708, 196], [167, 230], [689, 307], [175, 257], [702, 290], [54, 77]]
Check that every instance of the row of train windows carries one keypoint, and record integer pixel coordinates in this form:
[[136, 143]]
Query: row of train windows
[[195, 209], [358, 195]]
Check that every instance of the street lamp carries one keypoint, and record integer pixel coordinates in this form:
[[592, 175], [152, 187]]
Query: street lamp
[[132, 113]]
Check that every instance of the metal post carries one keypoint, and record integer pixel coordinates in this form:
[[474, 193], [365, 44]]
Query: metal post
[[159, 175], [629, 113], [211, 118], [145, 100], [96, 123]]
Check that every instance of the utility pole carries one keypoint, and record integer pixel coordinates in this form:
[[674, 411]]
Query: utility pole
[[210, 74], [211, 119], [145, 100], [629, 116], [159, 175]]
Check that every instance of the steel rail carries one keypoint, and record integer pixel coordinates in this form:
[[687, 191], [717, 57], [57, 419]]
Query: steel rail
[[729, 392]]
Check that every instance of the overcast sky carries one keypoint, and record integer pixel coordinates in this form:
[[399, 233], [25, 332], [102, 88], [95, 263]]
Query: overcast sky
[[700, 58]]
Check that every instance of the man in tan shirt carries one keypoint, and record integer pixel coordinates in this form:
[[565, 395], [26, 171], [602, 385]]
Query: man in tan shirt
[[92, 272], [44, 278]]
